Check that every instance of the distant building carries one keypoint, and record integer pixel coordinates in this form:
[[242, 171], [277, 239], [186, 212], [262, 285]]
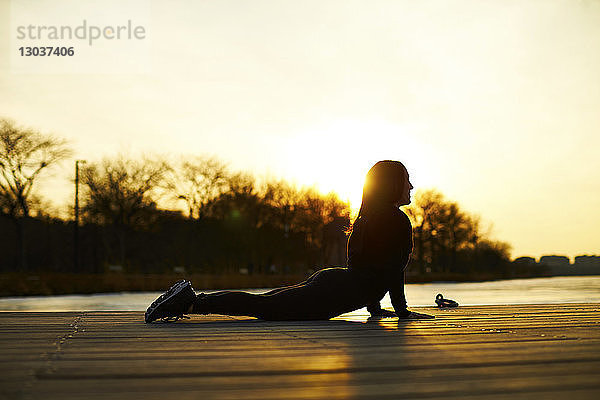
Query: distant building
[[587, 261], [524, 261], [555, 261], [560, 265], [587, 265], [554, 265]]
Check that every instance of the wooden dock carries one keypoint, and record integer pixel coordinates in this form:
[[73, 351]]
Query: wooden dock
[[486, 352]]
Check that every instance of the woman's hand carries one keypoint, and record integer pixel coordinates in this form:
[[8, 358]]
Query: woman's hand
[[382, 313], [415, 315], [403, 314]]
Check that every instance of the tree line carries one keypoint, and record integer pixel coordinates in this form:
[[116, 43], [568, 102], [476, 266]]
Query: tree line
[[195, 214]]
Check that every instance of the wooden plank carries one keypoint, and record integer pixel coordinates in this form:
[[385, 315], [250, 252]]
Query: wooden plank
[[522, 351], [346, 389], [442, 376]]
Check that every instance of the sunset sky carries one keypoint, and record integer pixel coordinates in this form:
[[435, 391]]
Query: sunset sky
[[494, 103]]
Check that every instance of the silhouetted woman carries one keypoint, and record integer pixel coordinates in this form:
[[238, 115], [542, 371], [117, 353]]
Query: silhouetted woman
[[378, 251]]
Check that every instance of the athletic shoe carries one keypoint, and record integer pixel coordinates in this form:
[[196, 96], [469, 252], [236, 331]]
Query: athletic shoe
[[172, 304]]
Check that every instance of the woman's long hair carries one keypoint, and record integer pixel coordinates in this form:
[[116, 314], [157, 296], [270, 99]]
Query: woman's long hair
[[383, 187]]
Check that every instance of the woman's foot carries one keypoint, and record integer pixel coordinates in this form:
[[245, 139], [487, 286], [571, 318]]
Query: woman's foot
[[197, 306], [172, 304]]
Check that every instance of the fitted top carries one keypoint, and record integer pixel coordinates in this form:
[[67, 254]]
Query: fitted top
[[379, 247]]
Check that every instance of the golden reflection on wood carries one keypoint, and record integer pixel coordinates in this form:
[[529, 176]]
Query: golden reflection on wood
[[486, 352]]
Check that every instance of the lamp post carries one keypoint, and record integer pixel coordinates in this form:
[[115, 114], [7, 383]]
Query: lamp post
[[76, 226]]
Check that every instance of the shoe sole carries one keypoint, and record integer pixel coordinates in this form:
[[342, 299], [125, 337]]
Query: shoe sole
[[181, 285]]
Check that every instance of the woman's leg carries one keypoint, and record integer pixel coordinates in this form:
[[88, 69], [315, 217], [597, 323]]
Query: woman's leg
[[230, 303], [328, 293], [242, 303], [279, 304], [307, 281]]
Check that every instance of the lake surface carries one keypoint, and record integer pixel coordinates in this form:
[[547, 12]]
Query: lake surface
[[572, 289]]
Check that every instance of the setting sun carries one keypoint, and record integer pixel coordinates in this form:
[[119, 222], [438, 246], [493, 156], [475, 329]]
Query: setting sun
[[181, 183], [494, 105], [336, 156]]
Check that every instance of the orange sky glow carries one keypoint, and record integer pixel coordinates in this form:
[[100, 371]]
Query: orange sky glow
[[496, 104]]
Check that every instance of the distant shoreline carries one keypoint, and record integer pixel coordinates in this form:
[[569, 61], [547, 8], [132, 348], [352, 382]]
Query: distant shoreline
[[44, 283]]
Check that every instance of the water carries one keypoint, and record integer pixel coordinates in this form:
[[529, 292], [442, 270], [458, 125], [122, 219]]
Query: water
[[572, 289]]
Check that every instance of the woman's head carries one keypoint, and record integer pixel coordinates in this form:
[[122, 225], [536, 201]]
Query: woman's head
[[387, 184]]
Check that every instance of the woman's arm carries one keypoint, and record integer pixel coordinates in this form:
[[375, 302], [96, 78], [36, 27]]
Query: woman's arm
[[397, 295]]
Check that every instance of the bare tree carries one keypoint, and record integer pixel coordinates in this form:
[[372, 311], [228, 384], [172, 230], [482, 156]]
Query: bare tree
[[197, 181], [241, 200], [121, 193], [324, 220], [441, 230], [24, 154], [423, 211], [283, 200]]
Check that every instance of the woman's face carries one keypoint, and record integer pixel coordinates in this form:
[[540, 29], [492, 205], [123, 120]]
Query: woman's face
[[405, 191]]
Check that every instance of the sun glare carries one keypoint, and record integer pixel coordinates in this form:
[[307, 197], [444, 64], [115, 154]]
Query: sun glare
[[337, 156]]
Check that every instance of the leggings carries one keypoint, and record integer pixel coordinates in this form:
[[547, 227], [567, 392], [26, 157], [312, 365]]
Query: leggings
[[325, 294]]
